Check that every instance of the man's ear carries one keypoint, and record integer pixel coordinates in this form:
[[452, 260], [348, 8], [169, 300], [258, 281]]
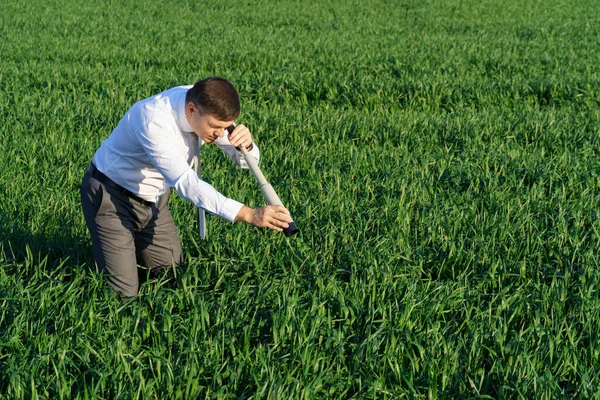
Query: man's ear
[[189, 108]]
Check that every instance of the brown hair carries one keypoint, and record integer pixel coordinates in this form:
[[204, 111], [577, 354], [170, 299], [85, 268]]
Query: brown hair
[[215, 96]]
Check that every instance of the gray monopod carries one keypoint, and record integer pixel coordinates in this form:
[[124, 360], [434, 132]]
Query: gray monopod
[[265, 187]]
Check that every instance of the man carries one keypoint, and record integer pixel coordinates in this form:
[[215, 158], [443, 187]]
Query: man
[[124, 193]]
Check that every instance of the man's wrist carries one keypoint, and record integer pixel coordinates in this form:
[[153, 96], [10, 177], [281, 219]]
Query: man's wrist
[[245, 215]]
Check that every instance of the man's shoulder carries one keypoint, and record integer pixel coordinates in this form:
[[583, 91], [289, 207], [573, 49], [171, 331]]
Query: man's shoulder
[[176, 90], [169, 96], [162, 103], [163, 109]]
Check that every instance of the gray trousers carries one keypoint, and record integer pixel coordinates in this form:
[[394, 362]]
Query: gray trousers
[[127, 232]]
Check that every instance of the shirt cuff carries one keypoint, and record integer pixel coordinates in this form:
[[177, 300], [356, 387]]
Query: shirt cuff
[[255, 152], [230, 209]]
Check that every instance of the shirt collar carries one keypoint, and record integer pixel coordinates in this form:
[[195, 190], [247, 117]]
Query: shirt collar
[[182, 121]]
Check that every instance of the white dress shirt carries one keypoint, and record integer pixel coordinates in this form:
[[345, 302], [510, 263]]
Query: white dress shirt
[[152, 149]]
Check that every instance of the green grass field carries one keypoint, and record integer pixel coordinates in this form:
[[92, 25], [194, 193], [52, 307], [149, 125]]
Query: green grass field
[[441, 159]]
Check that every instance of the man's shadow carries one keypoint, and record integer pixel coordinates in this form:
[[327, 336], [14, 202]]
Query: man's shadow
[[23, 253], [18, 246]]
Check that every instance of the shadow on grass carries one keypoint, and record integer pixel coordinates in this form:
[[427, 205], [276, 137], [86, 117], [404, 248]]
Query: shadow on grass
[[19, 245]]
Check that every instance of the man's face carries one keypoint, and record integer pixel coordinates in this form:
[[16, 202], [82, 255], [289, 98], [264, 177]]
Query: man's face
[[207, 127]]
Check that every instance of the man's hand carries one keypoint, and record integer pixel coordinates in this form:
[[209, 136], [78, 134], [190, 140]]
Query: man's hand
[[272, 217], [241, 137]]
